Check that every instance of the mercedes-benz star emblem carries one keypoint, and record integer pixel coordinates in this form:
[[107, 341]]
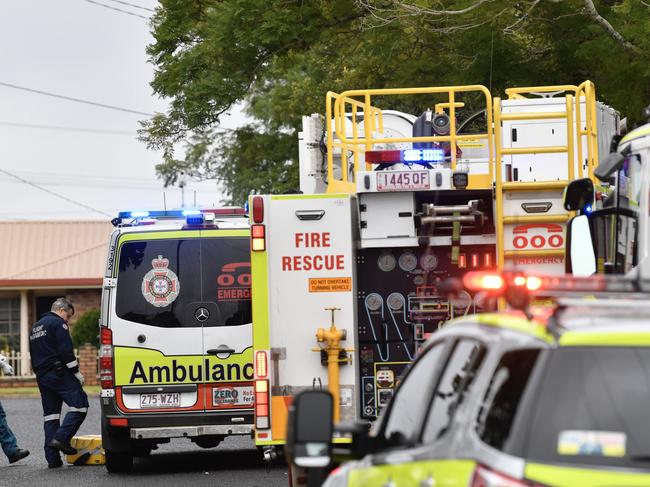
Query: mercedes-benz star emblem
[[202, 314]]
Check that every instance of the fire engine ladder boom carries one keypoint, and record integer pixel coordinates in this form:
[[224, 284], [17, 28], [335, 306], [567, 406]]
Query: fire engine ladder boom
[[574, 130]]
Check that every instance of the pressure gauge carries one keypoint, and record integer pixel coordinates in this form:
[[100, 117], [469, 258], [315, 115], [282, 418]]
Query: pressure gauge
[[373, 301], [395, 301], [462, 300], [429, 262], [408, 261], [386, 262]]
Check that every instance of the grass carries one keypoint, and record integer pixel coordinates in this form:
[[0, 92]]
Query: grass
[[33, 391]]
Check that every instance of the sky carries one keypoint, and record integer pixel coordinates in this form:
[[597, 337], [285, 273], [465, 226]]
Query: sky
[[84, 153]]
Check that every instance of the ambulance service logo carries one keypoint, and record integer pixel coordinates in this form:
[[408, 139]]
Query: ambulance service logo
[[160, 286]]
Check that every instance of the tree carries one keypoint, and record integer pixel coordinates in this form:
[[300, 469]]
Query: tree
[[280, 57], [86, 329]]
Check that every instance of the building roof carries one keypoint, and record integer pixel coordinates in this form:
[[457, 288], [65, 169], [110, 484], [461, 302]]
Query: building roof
[[53, 253]]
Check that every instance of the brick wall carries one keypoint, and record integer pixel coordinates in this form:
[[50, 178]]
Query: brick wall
[[88, 364], [83, 300]]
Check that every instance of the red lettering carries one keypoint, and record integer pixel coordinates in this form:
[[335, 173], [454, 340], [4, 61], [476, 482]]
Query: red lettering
[[297, 263], [306, 263], [299, 238], [286, 263], [556, 241], [225, 280], [326, 239], [340, 262], [318, 262], [519, 242], [538, 241]]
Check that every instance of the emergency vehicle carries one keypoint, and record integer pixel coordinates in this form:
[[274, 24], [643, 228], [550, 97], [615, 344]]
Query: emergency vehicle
[[549, 396], [611, 233], [346, 274], [175, 331]]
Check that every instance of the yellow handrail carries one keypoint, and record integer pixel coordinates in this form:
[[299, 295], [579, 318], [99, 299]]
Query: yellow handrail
[[352, 144]]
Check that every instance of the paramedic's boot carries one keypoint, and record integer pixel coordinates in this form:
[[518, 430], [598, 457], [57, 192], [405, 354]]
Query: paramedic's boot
[[65, 448]]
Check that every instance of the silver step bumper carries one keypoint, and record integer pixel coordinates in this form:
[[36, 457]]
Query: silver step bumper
[[187, 431]]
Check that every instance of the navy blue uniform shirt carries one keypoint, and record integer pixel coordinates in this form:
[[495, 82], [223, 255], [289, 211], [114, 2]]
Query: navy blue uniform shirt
[[49, 341]]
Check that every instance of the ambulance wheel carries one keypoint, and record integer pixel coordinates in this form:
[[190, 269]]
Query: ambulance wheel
[[118, 461]]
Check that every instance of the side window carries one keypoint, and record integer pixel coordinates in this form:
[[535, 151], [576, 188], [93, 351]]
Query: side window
[[502, 398], [409, 405], [461, 369]]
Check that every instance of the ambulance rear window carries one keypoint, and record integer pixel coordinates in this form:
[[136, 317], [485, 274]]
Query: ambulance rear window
[[163, 282]]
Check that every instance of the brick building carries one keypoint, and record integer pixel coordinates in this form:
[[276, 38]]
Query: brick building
[[41, 261]]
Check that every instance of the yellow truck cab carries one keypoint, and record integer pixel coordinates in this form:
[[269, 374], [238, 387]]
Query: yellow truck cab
[[549, 396], [175, 332]]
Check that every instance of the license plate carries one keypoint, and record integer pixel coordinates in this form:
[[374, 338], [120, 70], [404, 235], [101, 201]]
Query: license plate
[[396, 180], [160, 400], [233, 396]]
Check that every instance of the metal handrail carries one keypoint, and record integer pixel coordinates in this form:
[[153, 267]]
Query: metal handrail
[[340, 106]]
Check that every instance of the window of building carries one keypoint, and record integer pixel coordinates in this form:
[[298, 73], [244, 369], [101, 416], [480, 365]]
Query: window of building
[[10, 323]]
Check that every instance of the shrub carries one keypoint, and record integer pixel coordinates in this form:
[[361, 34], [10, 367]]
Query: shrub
[[86, 329]]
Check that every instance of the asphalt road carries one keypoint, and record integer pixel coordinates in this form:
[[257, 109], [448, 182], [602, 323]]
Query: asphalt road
[[235, 462]]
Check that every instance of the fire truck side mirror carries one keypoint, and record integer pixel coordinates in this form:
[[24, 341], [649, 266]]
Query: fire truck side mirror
[[310, 428], [579, 195], [581, 258]]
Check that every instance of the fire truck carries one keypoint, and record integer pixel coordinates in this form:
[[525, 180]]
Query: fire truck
[[345, 273]]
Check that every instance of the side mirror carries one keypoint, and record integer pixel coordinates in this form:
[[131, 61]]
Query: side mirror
[[579, 194], [310, 428], [581, 259], [611, 164]]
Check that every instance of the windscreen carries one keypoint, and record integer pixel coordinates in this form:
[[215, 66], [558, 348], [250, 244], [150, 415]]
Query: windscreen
[[161, 282], [592, 408]]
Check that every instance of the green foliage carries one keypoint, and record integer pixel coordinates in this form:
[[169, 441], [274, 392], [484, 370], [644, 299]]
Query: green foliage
[[280, 57], [86, 329]]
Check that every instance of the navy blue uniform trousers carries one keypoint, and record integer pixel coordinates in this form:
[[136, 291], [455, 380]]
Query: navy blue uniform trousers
[[56, 389]]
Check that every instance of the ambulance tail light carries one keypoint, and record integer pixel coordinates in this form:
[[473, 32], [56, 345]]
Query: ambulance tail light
[[258, 238], [486, 477], [261, 364], [106, 358], [262, 416], [258, 209]]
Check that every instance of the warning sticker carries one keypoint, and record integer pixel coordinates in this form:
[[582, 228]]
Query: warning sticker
[[471, 143], [600, 443], [330, 284]]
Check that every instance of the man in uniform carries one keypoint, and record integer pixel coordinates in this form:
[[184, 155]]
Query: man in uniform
[[59, 380], [7, 437]]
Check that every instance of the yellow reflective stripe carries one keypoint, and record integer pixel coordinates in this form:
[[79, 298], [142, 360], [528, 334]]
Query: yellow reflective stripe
[[584, 477], [608, 338], [450, 473], [640, 132], [505, 320], [260, 300], [308, 196], [140, 366], [341, 440], [262, 442]]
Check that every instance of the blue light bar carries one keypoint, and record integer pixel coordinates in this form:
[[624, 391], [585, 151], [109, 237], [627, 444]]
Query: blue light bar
[[139, 214], [191, 212], [423, 155]]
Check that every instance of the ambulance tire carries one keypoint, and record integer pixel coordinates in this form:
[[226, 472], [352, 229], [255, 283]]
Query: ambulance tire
[[119, 461], [142, 451]]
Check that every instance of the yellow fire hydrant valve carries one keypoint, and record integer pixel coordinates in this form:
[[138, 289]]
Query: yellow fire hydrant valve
[[332, 355]]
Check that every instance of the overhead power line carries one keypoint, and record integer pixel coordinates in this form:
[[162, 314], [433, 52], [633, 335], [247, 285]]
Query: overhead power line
[[133, 5], [66, 129], [116, 9], [77, 100], [60, 196]]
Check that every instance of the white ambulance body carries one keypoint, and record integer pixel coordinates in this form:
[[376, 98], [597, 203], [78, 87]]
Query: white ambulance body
[[176, 328], [405, 210]]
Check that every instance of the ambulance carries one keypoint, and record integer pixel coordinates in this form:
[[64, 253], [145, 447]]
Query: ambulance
[[346, 273], [175, 332]]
